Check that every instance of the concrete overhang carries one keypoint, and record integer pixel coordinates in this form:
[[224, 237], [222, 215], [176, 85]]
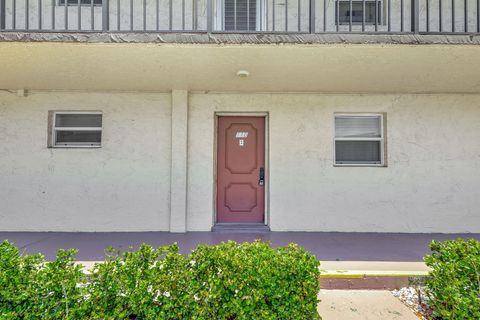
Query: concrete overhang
[[272, 67]]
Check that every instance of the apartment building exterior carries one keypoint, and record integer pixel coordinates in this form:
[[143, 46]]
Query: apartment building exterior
[[286, 115]]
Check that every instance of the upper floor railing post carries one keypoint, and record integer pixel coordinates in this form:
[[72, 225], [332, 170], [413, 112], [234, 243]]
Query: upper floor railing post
[[209, 15], [3, 14], [105, 15], [416, 16], [313, 18]]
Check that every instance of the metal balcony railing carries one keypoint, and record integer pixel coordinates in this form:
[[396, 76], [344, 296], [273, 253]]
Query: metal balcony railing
[[242, 16]]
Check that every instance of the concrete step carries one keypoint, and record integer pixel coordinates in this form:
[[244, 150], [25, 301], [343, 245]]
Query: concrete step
[[240, 228]]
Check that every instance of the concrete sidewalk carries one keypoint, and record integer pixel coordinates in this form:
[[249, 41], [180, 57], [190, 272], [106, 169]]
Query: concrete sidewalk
[[326, 246], [362, 305]]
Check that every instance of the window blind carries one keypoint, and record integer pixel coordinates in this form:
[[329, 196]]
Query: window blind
[[240, 15], [357, 127]]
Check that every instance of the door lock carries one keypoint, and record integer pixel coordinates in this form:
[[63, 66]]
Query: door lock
[[261, 179]]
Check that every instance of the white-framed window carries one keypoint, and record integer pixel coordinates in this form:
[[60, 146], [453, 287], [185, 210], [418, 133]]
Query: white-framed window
[[370, 10], [240, 15], [75, 129], [359, 140]]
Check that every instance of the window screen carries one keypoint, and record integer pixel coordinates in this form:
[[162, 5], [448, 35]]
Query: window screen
[[359, 140], [81, 129]]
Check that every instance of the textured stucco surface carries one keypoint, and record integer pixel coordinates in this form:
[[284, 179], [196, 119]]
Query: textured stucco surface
[[345, 68], [122, 186], [430, 184], [241, 38]]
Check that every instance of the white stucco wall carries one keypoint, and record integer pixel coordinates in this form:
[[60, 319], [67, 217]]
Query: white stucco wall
[[431, 183], [123, 186]]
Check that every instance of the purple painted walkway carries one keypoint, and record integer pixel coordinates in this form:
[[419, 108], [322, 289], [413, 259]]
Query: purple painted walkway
[[325, 245]]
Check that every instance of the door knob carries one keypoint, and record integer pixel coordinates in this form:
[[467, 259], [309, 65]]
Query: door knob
[[261, 179]]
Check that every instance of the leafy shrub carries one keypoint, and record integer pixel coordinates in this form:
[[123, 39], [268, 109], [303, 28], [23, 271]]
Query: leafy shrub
[[254, 281], [146, 284], [454, 282], [229, 281], [32, 288]]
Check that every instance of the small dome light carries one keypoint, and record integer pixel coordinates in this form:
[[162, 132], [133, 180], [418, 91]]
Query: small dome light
[[243, 73]]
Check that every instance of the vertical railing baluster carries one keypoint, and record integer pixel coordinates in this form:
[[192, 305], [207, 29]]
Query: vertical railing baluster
[[453, 15], [478, 16], [299, 14], [313, 20], [286, 15], [27, 12], [53, 14], [66, 14], [266, 14], [440, 22], [79, 15], [106, 15], [209, 15], [273, 15], [465, 17], [14, 14], [40, 13], [401, 16], [428, 15], [92, 16], [3, 15], [118, 15], [415, 16], [170, 15], [144, 15], [260, 22], [248, 15], [194, 16], [144, 20], [376, 15], [389, 17], [131, 15], [363, 15], [235, 15], [337, 13], [157, 15], [350, 15], [183, 14]]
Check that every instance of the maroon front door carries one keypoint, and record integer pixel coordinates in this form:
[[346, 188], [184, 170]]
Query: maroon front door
[[241, 169]]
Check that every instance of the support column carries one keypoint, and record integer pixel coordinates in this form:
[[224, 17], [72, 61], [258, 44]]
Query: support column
[[178, 175]]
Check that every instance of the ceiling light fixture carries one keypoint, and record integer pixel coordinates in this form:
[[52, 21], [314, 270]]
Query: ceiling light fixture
[[243, 73]]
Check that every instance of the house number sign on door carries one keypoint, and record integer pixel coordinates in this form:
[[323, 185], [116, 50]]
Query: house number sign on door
[[241, 135]]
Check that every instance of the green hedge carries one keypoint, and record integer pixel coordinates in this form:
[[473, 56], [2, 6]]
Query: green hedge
[[454, 283], [227, 281]]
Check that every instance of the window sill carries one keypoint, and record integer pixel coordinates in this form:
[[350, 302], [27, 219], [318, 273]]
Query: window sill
[[74, 147], [361, 165]]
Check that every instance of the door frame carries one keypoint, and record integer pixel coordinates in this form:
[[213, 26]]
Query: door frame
[[259, 114]]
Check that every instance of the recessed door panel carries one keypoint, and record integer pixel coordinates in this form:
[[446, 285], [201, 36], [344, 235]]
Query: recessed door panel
[[241, 169]]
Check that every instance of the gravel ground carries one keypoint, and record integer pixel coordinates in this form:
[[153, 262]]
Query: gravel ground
[[416, 300]]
